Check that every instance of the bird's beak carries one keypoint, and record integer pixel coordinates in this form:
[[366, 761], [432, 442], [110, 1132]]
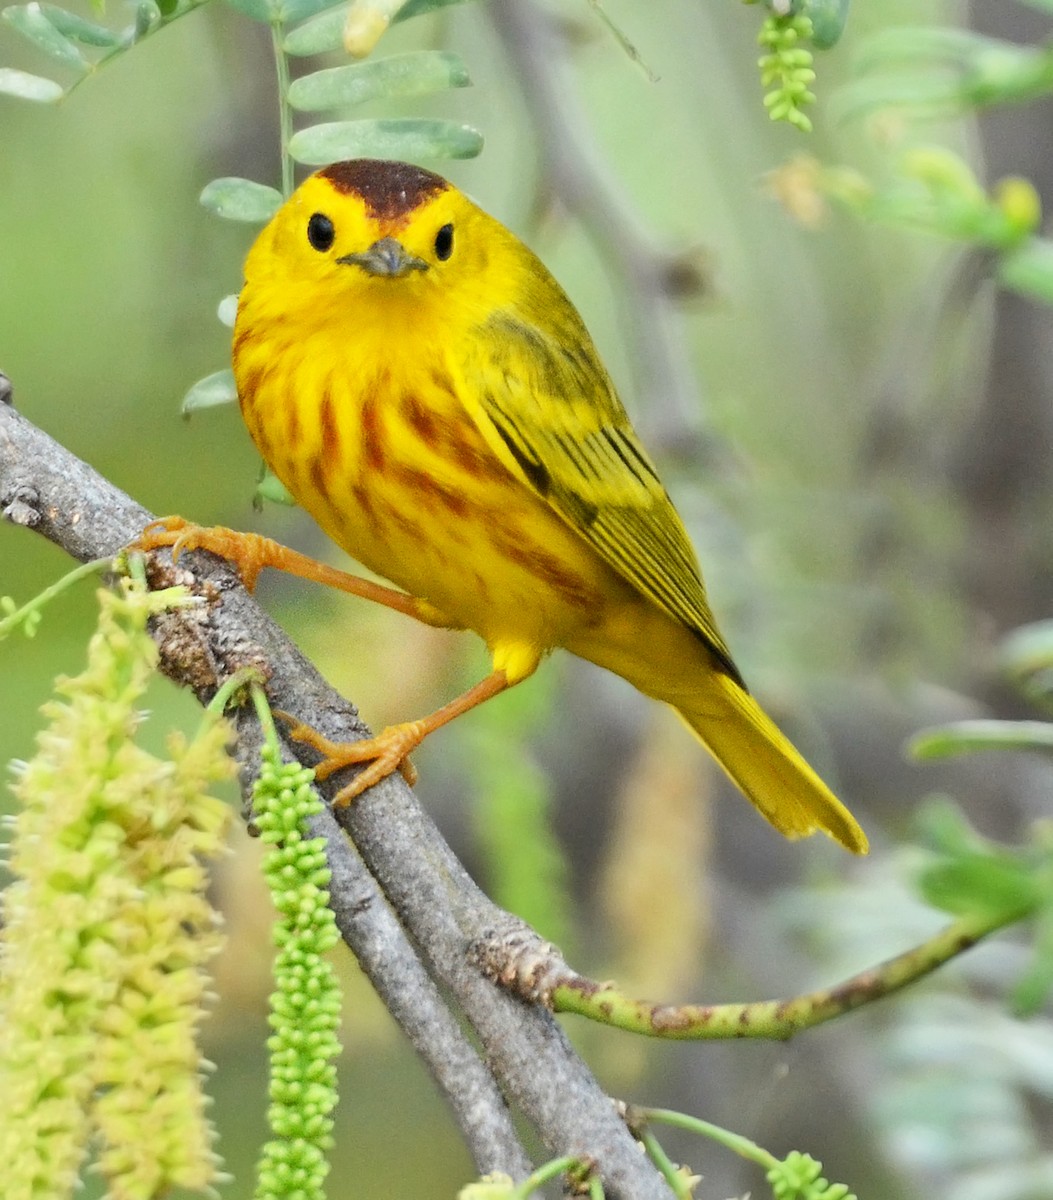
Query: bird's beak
[[387, 257]]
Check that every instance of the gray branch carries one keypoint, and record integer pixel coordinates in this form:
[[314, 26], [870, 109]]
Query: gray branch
[[405, 905]]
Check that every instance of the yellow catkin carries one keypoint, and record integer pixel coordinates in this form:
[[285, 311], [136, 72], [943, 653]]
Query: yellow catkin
[[107, 930]]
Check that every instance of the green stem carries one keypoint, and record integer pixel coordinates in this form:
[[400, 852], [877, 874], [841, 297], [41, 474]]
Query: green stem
[[285, 115], [670, 1173], [622, 38], [18, 616], [266, 718], [558, 1166], [133, 564], [775, 1019], [234, 684], [732, 1141], [125, 46]]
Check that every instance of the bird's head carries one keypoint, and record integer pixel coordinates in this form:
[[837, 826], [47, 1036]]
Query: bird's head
[[377, 236]]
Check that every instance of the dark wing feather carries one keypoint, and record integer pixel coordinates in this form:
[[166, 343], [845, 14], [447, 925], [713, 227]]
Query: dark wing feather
[[554, 407]]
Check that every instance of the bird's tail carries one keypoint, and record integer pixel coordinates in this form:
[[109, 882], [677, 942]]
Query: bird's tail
[[766, 766]]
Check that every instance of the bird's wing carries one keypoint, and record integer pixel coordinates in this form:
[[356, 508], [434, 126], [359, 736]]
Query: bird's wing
[[553, 406]]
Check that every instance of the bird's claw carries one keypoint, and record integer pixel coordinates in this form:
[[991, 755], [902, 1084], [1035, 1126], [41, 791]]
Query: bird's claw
[[384, 754], [243, 550], [165, 531]]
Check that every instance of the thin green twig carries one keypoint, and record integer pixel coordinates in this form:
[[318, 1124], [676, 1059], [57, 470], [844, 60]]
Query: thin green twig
[[265, 716], [549, 1170], [772, 1019], [124, 46], [622, 38], [285, 114], [241, 679], [672, 1174], [742, 1146], [26, 615], [798, 1176]]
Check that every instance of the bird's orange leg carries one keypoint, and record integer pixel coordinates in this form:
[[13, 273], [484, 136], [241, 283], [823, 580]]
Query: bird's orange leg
[[387, 751], [250, 553]]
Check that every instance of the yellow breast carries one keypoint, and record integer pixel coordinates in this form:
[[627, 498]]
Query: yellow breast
[[379, 449]]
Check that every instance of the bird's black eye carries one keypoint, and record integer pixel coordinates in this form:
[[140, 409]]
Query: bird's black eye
[[444, 243], [320, 232]]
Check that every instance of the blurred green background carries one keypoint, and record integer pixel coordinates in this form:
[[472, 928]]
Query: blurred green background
[[861, 458]]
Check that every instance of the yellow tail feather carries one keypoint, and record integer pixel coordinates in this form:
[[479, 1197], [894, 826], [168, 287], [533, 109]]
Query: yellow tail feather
[[765, 765]]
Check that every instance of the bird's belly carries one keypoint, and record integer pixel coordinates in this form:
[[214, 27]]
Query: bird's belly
[[408, 487], [489, 562]]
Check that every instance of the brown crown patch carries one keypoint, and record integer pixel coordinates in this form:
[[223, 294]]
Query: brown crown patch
[[389, 189]]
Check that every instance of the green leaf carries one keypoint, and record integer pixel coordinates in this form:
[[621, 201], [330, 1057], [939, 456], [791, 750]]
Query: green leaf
[[984, 884], [828, 19], [237, 199], [403, 138], [966, 737], [983, 70], [934, 92], [412, 74], [973, 874], [1032, 989], [942, 826], [1029, 269], [1029, 648], [32, 24], [147, 17], [259, 10], [79, 29], [293, 11], [210, 392], [901, 46], [1026, 656], [318, 35], [416, 8], [325, 32], [271, 488], [29, 87]]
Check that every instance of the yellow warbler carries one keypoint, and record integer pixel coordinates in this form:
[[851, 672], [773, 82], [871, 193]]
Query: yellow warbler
[[425, 389]]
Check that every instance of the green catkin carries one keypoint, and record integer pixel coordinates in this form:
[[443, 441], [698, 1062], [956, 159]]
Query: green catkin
[[787, 64], [305, 1006], [799, 1177]]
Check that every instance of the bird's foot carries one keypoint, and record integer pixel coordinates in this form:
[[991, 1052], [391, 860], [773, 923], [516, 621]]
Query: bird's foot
[[249, 553], [385, 753]]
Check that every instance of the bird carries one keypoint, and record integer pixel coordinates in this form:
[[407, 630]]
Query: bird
[[423, 386]]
